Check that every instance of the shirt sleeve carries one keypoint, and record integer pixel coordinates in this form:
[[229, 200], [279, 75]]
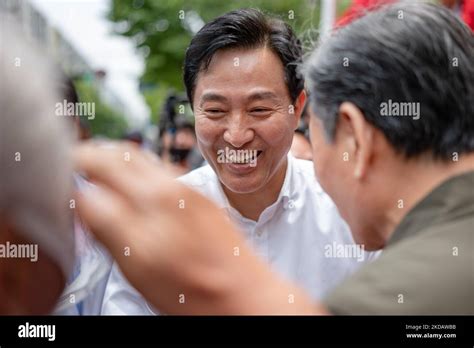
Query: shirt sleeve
[[417, 277]]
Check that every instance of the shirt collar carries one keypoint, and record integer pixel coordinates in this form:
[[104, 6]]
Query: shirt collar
[[450, 200]]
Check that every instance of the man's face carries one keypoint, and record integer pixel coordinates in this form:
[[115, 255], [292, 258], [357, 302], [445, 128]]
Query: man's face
[[334, 166], [328, 162], [242, 103]]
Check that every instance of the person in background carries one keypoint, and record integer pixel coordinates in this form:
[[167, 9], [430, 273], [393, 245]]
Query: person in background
[[179, 146], [135, 137]]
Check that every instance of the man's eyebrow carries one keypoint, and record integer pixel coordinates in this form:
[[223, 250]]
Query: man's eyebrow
[[263, 96], [212, 97]]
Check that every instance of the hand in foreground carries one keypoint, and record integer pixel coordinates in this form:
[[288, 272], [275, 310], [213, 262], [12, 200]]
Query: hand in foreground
[[175, 246]]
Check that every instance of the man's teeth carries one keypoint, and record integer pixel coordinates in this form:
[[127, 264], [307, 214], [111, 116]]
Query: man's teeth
[[245, 158], [234, 159]]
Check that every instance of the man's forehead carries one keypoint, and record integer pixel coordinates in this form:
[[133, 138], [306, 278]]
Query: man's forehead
[[242, 61], [254, 74], [255, 94]]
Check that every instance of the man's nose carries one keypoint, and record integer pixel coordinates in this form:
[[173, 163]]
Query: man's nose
[[238, 132]]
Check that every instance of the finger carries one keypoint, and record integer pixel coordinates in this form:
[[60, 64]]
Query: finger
[[119, 167], [107, 215]]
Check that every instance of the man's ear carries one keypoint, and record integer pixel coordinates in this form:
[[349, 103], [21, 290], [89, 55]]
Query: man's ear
[[358, 136], [299, 106]]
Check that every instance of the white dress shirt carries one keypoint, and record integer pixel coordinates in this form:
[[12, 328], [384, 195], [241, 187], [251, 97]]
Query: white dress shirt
[[301, 236], [85, 288]]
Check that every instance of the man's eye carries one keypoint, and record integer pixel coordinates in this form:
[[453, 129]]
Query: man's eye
[[260, 111], [214, 111]]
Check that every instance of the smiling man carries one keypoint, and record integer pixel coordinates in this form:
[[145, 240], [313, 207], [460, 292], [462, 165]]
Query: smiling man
[[241, 77]]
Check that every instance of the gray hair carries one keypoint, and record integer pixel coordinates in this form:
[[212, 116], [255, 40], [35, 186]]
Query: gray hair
[[35, 158], [413, 53]]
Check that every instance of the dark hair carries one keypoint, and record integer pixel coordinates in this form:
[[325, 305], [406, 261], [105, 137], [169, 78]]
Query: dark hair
[[247, 28], [406, 53]]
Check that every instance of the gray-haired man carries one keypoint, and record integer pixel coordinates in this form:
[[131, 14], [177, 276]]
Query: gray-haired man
[[36, 238]]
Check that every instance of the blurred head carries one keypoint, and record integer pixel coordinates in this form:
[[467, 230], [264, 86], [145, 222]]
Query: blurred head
[[134, 137], [241, 78], [36, 238], [185, 137], [182, 143], [391, 100]]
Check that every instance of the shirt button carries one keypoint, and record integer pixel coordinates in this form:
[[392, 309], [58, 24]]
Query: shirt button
[[259, 232]]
